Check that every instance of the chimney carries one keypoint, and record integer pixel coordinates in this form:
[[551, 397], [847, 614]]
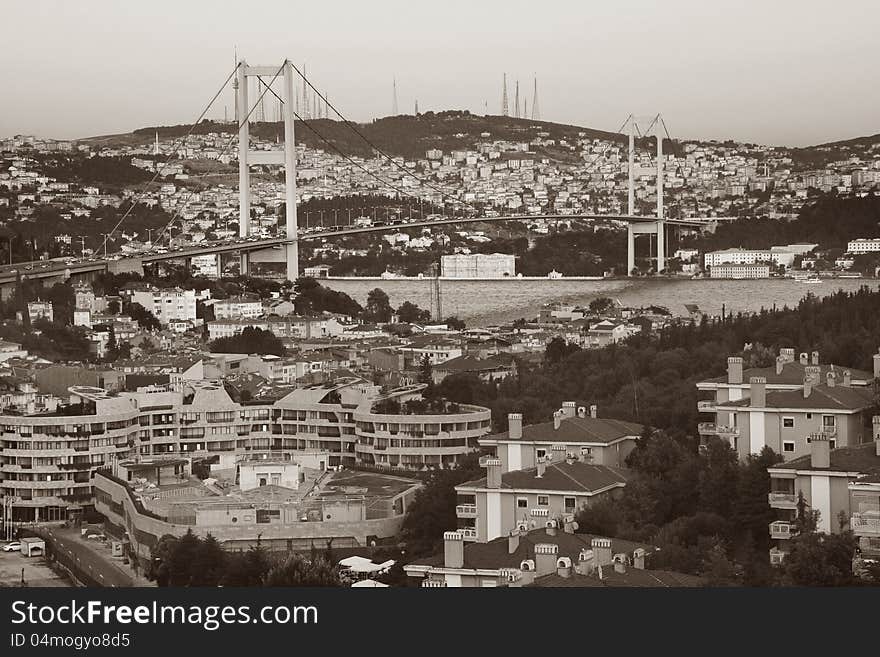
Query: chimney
[[619, 566], [563, 567], [805, 358], [808, 387], [601, 551], [514, 426], [453, 550], [545, 559], [780, 364], [820, 450], [830, 379], [734, 369], [582, 411], [551, 528], [877, 365], [557, 419], [594, 411], [639, 558], [876, 423], [758, 393], [493, 471], [787, 354], [847, 378], [814, 373], [512, 541], [815, 358], [569, 525], [542, 466], [569, 408]]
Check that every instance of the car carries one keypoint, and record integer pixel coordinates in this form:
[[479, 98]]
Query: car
[[96, 537], [15, 546]]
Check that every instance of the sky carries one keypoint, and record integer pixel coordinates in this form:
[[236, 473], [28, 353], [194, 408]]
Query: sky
[[771, 71]]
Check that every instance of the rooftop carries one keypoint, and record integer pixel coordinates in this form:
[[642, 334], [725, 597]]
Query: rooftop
[[837, 397], [576, 476], [793, 374], [634, 577], [859, 458], [575, 430]]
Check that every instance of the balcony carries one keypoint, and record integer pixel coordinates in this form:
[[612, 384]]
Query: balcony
[[467, 533], [706, 406], [781, 500], [720, 430], [466, 511], [777, 556], [865, 525], [782, 530]]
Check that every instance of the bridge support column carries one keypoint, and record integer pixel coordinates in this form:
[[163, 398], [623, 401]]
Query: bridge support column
[[630, 250], [244, 266], [661, 246], [292, 248], [244, 141]]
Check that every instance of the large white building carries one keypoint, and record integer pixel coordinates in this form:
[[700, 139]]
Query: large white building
[[863, 245], [238, 308], [169, 304], [758, 270], [737, 257], [478, 265]]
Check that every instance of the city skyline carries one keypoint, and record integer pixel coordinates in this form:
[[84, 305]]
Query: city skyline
[[163, 69]]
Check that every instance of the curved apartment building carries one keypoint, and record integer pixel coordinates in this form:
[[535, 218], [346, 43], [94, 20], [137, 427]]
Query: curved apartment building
[[48, 461]]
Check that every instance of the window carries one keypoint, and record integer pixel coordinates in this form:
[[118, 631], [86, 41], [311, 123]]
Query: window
[[787, 445], [543, 500], [829, 422], [832, 444], [570, 503], [809, 416], [541, 453], [788, 422], [522, 502]]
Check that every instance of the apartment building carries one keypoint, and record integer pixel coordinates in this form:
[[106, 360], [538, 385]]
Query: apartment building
[[863, 245], [740, 271], [478, 265], [40, 310], [48, 460], [574, 432], [840, 485], [168, 304], [736, 257], [783, 420], [522, 500], [237, 308]]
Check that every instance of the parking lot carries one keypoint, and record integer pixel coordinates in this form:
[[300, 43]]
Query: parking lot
[[36, 571]]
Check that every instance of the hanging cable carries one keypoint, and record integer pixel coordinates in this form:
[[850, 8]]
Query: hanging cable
[[171, 154]]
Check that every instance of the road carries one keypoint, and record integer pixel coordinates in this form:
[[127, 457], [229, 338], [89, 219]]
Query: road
[[69, 546]]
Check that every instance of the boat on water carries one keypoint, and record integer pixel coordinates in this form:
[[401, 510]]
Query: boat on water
[[811, 280]]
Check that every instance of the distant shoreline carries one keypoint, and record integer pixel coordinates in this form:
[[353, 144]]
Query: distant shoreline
[[456, 278]]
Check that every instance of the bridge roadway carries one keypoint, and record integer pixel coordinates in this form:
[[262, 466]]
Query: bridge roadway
[[71, 267]]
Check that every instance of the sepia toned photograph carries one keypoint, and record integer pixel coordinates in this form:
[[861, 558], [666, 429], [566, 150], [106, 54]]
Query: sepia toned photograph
[[385, 294]]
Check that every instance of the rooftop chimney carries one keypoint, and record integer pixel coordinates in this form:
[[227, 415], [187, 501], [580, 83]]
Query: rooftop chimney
[[847, 378], [813, 373], [820, 450], [512, 541], [453, 550], [569, 408], [876, 422], [601, 551], [780, 364], [830, 379], [594, 411], [582, 411], [808, 388], [550, 527], [563, 567], [787, 354], [545, 558], [493, 471], [877, 365], [542, 466], [758, 391], [619, 566], [815, 358], [805, 358], [639, 558], [514, 426], [734, 369], [557, 419]]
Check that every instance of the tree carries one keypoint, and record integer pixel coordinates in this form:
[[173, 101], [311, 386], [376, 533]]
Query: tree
[[297, 570], [378, 308], [426, 371], [558, 349], [819, 559], [251, 340], [144, 318], [246, 568], [208, 563], [601, 305], [455, 324], [410, 313], [113, 307]]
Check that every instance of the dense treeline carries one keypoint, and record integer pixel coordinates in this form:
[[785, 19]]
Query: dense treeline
[[250, 341]]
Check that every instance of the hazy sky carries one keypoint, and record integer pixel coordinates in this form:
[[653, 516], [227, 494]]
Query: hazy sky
[[772, 71]]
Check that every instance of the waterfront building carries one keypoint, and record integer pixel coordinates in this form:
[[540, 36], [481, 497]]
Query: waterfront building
[[736, 257], [863, 245], [478, 265], [740, 271]]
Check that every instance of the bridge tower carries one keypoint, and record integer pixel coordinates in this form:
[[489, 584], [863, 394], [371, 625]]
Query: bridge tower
[[285, 157], [658, 227]]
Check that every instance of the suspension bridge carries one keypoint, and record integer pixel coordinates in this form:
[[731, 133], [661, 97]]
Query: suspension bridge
[[285, 248]]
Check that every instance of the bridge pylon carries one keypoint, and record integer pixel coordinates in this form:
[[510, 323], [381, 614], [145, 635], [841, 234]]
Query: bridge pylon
[[658, 227], [285, 157]]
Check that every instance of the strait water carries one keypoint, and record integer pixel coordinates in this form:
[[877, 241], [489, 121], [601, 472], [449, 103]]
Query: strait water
[[497, 301]]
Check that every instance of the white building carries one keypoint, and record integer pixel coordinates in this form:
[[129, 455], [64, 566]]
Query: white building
[[759, 270], [168, 304], [737, 257], [205, 265], [863, 245], [237, 308], [478, 265], [40, 310]]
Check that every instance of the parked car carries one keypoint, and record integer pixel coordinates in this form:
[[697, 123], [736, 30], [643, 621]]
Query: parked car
[[15, 546]]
